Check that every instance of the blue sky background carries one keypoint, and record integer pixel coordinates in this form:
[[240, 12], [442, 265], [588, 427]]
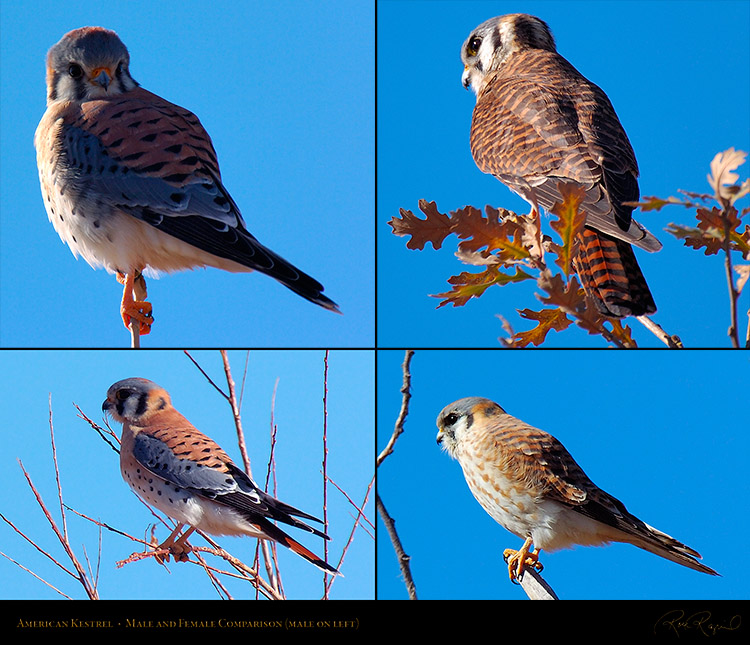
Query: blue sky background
[[286, 91], [678, 74], [664, 432], [92, 483]]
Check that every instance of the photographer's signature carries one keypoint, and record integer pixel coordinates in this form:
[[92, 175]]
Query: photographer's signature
[[679, 622]]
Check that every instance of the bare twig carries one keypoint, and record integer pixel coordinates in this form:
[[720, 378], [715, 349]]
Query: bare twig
[[29, 571], [208, 378], [733, 331], [360, 513], [80, 573], [357, 522], [405, 398], [671, 341], [390, 524], [403, 559], [104, 434], [57, 470], [325, 468], [232, 398]]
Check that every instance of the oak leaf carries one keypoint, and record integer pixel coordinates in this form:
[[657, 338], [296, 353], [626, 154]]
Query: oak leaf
[[434, 229], [547, 319], [472, 285], [570, 223]]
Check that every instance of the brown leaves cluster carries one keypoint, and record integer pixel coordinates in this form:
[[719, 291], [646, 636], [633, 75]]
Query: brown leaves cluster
[[510, 248], [719, 229]]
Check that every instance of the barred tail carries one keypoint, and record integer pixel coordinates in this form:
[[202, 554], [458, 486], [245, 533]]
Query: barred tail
[[611, 276]]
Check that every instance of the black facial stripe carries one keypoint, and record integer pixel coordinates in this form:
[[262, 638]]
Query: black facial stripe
[[469, 420], [142, 403], [496, 38]]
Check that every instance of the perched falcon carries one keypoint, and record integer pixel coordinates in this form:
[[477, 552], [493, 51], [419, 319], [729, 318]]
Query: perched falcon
[[538, 122], [529, 483], [176, 468], [131, 182]]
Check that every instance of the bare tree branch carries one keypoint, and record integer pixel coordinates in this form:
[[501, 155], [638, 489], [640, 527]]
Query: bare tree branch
[[390, 524], [405, 398]]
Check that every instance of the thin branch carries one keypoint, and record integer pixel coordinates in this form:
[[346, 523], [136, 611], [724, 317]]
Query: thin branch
[[360, 512], [80, 574], [29, 571], [104, 434], [325, 468], [733, 331], [57, 470], [671, 341], [405, 398], [390, 524], [403, 559], [357, 522], [236, 413], [208, 378]]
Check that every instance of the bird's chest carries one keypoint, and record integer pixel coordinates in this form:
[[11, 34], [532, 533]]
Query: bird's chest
[[510, 502], [173, 500], [84, 221]]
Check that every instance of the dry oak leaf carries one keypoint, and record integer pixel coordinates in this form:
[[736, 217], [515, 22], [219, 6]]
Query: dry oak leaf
[[434, 229], [499, 231], [722, 179], [569, 224], [712, 227], [568, 296], [547, 319], [472, 285]]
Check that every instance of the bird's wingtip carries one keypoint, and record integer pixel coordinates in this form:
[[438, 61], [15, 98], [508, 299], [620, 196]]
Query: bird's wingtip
[[327, 303]]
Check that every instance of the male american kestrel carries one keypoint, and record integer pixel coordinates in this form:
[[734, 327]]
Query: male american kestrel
[[538, 122], [529, 483], [131, 182], [186, 475]]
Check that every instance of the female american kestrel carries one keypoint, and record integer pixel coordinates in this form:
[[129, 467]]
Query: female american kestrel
[[530, 484], [176, 468], [131, 182], [538, 123]]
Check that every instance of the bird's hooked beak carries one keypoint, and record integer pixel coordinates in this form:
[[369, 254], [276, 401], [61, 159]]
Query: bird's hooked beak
[[106, 406], [466, 77], [102, 76]]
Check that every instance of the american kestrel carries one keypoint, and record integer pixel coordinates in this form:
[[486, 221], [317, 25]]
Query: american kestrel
[[538, 122], [131, 182], [529, 483], [186, 475]]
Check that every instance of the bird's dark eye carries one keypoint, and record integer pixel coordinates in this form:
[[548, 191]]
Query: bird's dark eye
[[75, 70], [474, 44], [451, 419], [122, 394]]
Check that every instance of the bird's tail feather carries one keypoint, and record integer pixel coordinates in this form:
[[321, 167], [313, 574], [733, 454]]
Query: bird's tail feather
[[666, 546], [611, 277]]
